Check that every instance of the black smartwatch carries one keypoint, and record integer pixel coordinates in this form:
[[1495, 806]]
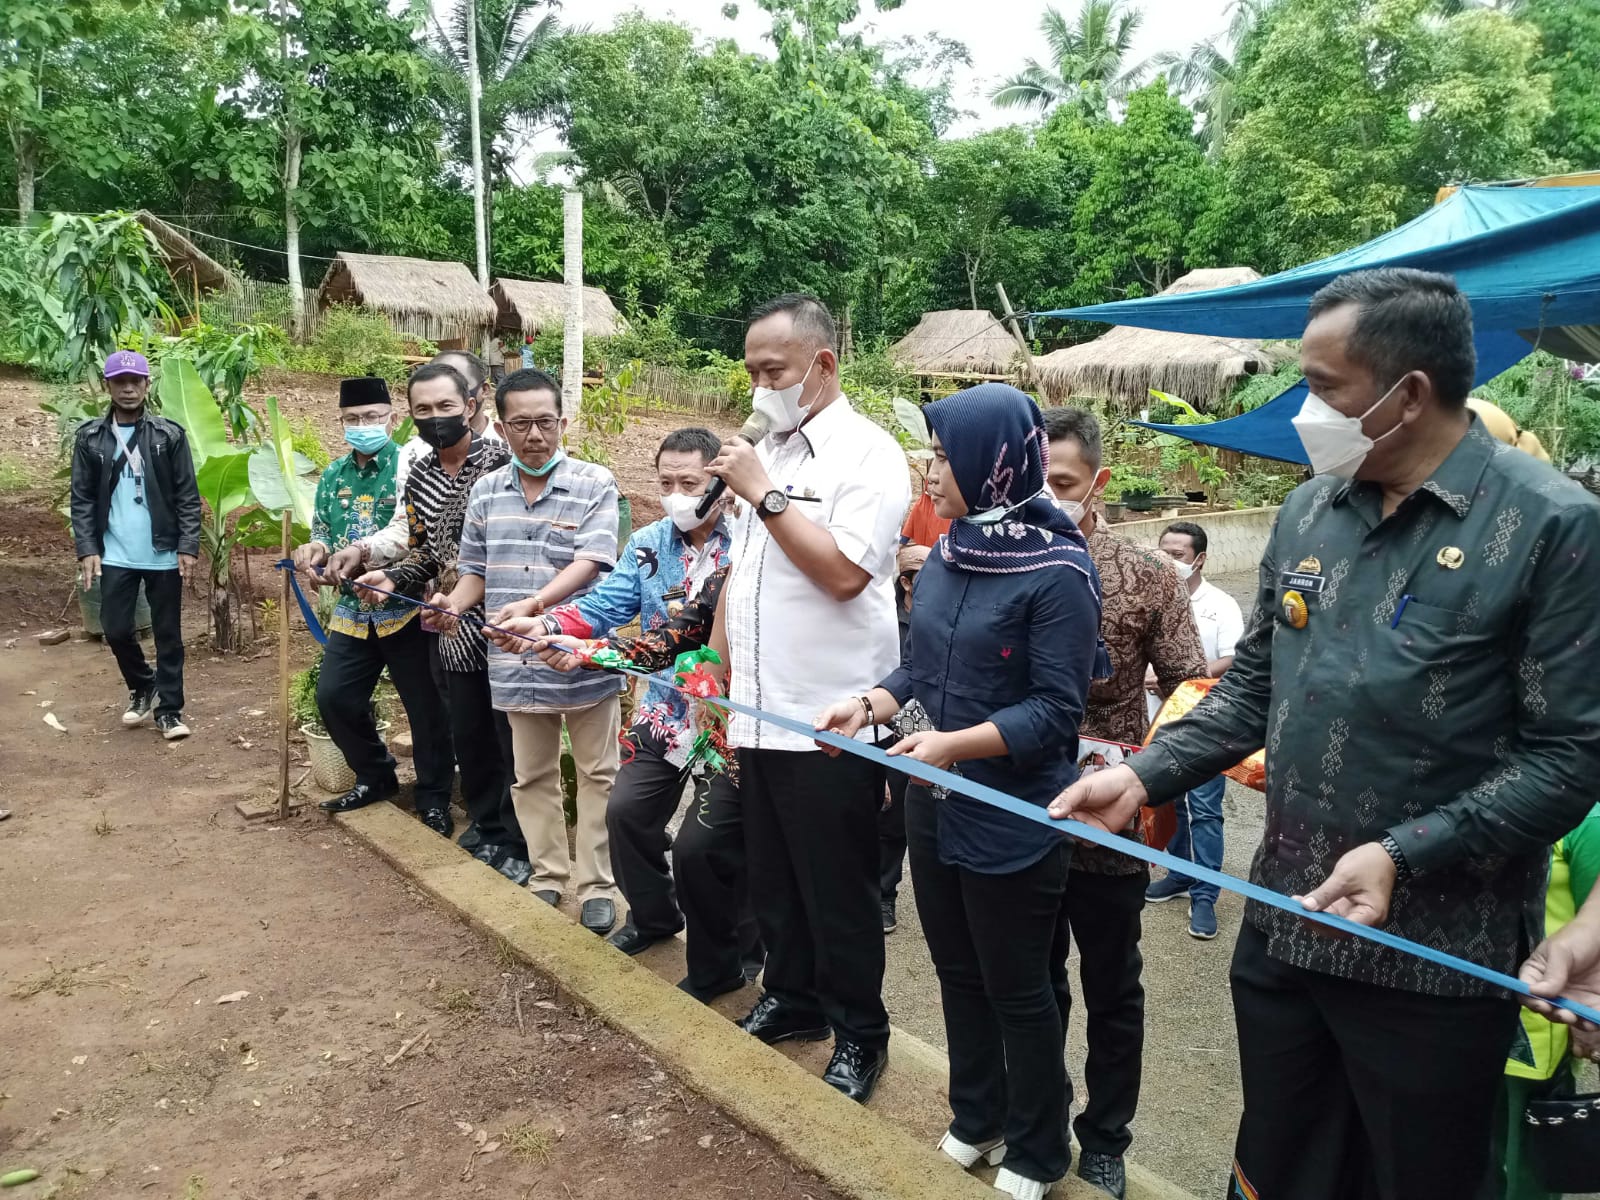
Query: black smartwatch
[[773, 503]]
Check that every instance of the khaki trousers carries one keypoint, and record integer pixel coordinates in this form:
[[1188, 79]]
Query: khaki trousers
[[536, 747]]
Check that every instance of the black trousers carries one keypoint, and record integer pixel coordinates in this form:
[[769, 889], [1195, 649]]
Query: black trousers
[[892, 837], [119, 598], [811, 846], [1358, 1092], [705, 889], [350, 670], [481, 738], [723, 938], [991, 938], [1101, 913]]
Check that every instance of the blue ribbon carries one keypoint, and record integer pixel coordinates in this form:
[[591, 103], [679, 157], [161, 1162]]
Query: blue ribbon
[[306, 609], [1077, 829]]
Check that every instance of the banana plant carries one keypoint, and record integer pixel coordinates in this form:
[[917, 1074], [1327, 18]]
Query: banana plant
[[246, 490]]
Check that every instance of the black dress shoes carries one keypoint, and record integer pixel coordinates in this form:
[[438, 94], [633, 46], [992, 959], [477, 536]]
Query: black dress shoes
[[773, 1021], [359, 796], [549, 895], [707, 994], [630, 940], [518, 870], [854, 1069], [438, 820], [598, 915], [1105, 1171]]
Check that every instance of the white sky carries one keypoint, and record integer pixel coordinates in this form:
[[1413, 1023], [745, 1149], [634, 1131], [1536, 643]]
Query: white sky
[[999, 34]]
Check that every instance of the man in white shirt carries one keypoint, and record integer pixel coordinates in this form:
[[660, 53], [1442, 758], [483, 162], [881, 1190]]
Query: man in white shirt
[[1199, 833], [807, 616]]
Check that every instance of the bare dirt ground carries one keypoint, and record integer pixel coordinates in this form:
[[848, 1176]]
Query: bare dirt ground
[[192, 1006]]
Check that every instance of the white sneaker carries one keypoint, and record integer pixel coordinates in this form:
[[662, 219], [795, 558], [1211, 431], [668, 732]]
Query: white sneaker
[[140, 702], [967, 1157], [1018, 1188]]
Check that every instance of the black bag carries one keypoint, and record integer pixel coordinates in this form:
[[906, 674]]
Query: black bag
[[1562, 1142]]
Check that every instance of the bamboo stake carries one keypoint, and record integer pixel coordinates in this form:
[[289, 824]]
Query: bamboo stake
[[1016, 330], [283, 680]]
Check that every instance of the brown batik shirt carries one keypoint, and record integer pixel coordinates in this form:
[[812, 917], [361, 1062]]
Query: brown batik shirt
[[1145, 621], [1429, 675]]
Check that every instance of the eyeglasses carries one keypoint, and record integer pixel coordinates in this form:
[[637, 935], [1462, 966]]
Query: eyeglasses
[[522, 425]]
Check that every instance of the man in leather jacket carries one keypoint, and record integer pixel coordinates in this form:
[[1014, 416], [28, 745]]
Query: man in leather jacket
[[136, 521]]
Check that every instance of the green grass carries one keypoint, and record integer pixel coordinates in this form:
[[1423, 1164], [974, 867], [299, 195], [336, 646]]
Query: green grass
[[14, 475]]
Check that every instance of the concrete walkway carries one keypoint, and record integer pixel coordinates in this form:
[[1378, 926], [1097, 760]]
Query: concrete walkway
[[882, 1152]]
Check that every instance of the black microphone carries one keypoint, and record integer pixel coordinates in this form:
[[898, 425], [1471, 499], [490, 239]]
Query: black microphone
[[755, 428]]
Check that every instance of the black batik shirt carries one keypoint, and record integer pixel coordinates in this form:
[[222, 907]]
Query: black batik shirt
[[1443, 688], [436, 504]]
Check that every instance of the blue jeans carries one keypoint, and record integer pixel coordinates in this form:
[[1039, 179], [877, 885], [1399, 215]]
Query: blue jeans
[[1199, 834]]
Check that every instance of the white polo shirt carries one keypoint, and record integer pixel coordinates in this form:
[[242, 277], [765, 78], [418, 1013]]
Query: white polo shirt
[[795, 649], [1217, 617]]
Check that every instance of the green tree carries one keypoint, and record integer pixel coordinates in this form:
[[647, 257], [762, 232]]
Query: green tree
[[519, 46], [1356, 111], [1570, 32], [330, 122], [93, 91], [1088, 65], [1150, 191], [1207, 75], [753, 176]]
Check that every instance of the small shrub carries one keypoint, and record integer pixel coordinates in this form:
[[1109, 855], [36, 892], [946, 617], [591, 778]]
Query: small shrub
[[354, 341], [303, 708], [306, 440]]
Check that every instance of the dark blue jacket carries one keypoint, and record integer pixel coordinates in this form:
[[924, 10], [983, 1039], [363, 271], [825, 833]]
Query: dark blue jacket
[[1017, 650]]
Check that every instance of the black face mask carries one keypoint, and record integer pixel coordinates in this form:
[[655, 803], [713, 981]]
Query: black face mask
[[440, 432]]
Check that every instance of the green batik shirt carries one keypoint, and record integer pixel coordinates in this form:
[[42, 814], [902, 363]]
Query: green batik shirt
[[355, 502], [1439, 685]]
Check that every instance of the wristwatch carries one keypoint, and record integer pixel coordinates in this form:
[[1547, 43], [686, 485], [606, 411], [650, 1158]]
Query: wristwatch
[[1402, 869], [773, 503]]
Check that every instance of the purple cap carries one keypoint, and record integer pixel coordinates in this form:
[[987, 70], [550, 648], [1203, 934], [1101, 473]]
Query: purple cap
[[127, 362]]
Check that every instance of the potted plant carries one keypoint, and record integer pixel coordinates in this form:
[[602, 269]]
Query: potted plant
[[328, 766], [1134, 490]]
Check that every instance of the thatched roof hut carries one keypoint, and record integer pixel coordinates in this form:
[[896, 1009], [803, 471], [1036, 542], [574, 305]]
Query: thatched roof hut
[[529, 307], [439, 301], [191, 268], [958, 341], [1123, 364]]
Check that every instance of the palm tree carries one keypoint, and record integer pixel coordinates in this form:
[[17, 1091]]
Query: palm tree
[[517, 64], [1088, 62], [1208, 75]]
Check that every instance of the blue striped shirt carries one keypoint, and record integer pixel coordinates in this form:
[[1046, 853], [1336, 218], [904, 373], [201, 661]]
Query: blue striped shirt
[[518, 547]]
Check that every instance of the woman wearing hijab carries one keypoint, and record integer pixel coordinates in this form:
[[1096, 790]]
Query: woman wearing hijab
[[1004, 641]]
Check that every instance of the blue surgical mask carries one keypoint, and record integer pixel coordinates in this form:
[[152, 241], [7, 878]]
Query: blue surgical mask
[[539, 471], [367, 439]]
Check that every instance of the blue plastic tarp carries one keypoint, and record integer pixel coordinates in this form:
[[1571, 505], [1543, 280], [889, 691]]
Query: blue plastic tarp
[[1266, 432], [1526, 257]]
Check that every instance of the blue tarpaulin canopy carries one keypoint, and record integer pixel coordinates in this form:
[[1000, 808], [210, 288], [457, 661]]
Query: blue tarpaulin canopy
[[1266, 432], [1526, 257]]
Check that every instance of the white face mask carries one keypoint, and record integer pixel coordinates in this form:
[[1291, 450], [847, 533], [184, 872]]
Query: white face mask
[[1183, 569], [781, 407], [680, 508], [1336, 444]]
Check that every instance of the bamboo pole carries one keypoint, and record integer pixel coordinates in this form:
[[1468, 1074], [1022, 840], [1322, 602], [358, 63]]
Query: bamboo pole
[[1016, 330], [283, 680]]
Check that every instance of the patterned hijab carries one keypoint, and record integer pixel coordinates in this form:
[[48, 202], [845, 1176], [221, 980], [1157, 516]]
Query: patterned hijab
[[994, 439]]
